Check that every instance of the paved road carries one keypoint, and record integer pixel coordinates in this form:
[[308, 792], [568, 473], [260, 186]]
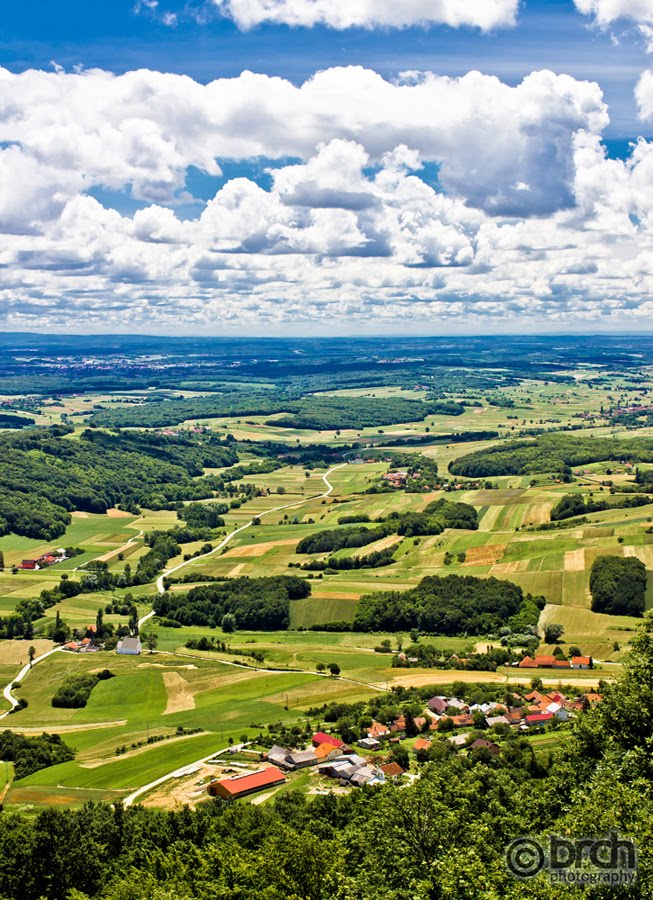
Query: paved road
[[276, 509], [22, 675]]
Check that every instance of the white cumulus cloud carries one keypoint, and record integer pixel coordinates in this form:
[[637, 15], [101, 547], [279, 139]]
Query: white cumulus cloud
[[341, 14], [606, 12], [142, 131]]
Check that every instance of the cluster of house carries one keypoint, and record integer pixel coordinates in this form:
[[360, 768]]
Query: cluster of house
[[555, 662], [45, 561], [535, 709], [128, 646], [334, 759], [396, 479], [331, 757], [86, 645]]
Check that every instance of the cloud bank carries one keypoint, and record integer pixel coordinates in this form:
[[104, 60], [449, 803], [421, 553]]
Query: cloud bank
[[342, 14], [427, 200]]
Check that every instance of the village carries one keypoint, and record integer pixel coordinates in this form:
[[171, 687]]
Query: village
[[394, 752]]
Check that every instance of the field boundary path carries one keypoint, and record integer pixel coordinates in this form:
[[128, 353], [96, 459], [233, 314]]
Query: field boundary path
[[232, 534], [24, 672], [179, 773]]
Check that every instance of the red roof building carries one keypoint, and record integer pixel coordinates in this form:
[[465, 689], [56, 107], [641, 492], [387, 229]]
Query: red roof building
[[538, 718], [322, 738], [242, 785], [392, 770], [581, 662]]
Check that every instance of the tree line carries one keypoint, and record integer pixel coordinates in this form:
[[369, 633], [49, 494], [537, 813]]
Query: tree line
[[452, 605], [261, 604], [549, 453], [434, 519]]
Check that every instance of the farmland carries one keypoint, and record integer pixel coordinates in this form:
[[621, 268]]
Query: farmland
[[189, 703]]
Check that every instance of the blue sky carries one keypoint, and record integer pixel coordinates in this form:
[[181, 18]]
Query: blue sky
[[147, 183]]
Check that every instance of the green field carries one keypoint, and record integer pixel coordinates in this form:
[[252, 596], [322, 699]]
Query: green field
[[153, 695]]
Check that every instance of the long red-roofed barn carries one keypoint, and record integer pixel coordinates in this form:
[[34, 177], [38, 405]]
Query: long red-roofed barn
[[250, 783]]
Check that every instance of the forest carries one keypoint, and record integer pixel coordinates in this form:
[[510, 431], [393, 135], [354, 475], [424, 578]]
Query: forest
[[618, 585], [29, 754], [443, 836], [453, 605], [254, 603], [44, 475], [549, 453]]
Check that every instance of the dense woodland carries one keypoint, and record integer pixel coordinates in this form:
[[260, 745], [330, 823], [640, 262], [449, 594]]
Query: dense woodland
[[452, 605], [255, 603], [442, 837], [550, 453], [618, 585], [45, 474]]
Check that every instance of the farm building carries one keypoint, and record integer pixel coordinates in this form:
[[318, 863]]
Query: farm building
[[129, 646], [369, 744], [538, 719], [45, 561], [581, 662], [242, 785], [322, 738]]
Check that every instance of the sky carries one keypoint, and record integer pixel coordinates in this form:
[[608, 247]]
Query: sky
[[311, 167]]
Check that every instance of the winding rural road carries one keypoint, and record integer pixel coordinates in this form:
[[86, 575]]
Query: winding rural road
[[267, 512], [24, 672]]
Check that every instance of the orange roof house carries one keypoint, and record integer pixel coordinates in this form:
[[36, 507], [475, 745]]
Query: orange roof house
[[581, 662], [527, 663], [392, 770], [242, 785], [422, 744], [377, 730], [323, 751]]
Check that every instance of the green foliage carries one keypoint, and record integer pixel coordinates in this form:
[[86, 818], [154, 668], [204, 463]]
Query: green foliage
[[577, 505], [203, 515], [437, 516], [341, 538], [375, 560], [255, 603], [451, 606], [553, 632], [74, 693], [618, 585], [44, 476], [549, 453], [328, 413], [30, 754]]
